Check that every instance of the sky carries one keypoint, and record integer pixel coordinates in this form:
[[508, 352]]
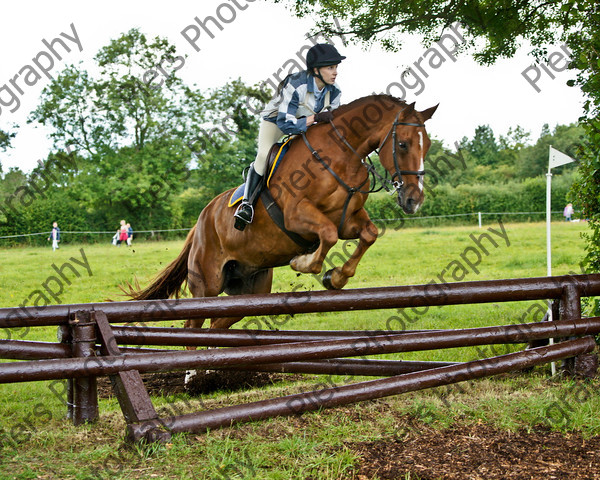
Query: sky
[[257, 39]]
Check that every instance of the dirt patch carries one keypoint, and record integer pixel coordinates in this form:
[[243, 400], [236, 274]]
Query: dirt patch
[[172, 383], [232, 381], [479, 452], [417, 451]]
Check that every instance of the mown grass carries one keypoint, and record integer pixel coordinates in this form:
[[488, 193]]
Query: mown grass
[[37, 442]]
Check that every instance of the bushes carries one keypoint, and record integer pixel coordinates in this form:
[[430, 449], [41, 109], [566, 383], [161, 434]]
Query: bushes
[[526, 196], [59, 205], [181, 211]]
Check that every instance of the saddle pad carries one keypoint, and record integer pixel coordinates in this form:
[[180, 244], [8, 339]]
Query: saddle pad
[[237, 195], [276, 155]]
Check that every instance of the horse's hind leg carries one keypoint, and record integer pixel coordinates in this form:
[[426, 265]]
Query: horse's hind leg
[[257, 283], [205, 279], [358, 225], [260, 282]]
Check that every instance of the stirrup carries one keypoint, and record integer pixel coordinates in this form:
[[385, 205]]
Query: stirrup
[[243, 216]]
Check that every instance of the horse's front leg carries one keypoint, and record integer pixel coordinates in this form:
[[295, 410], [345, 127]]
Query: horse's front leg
[[358, 225], [308, 220]]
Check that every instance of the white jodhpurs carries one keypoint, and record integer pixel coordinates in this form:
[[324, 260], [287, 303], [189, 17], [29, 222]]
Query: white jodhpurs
[[268, 134]]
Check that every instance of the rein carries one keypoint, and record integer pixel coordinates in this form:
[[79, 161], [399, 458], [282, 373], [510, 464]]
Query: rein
[[351, 190], [386, 183], [396, 183]]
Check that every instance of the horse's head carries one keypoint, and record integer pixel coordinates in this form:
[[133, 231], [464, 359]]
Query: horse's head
[[402, 153]]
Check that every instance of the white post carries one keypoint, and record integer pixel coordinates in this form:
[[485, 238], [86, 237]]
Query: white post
[[479, 215], [549, 244], [548, 220]]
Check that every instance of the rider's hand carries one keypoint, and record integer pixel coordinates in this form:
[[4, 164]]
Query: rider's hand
[[325, 116]]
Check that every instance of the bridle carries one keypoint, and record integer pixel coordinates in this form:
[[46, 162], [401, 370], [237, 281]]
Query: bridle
[[396, 183]]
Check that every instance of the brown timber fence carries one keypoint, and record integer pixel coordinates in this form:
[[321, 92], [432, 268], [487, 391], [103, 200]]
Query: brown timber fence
[[90, 348]]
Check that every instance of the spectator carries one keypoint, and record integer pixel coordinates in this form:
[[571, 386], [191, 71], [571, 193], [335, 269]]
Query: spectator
[[54, 236], [129, 234], [568, 212], [122, 233]]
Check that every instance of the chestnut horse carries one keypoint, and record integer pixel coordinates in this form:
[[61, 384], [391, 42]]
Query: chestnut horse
[[321, 187]]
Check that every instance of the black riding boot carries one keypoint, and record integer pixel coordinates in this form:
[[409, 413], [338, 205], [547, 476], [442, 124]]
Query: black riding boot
[[245, 212]]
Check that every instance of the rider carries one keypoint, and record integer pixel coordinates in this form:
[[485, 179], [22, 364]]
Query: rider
[[302, 99]]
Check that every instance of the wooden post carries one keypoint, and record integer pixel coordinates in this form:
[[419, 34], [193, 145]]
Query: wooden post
[[585, 365], [129, 388], [85, 389], [64, 335]]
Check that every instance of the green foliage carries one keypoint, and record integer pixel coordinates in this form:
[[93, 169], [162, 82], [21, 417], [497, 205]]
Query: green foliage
[[140, 144], [528, 195], [223, 151], [586, 191], [129, 132], [5, 139], [492, 29], [483, 147]]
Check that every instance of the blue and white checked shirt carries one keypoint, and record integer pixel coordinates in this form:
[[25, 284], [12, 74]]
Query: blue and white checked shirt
[[297, 100]]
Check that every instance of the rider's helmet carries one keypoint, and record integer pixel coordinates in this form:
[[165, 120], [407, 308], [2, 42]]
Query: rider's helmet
[[323, 55]]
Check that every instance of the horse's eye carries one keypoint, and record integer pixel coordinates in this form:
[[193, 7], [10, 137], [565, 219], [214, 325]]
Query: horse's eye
[[402, 146]]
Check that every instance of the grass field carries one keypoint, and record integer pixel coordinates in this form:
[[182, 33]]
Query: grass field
[[37, 442]]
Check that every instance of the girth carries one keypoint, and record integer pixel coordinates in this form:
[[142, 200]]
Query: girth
[[276, 215]]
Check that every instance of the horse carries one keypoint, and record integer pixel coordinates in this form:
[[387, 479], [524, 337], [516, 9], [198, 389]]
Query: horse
[[320, 188]]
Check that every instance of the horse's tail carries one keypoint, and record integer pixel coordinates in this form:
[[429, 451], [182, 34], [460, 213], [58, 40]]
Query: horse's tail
[[168, 282]]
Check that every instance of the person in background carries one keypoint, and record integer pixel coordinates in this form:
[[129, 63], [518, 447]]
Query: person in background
[[55, 236], [129, 234], [568, 212], [122, 233]]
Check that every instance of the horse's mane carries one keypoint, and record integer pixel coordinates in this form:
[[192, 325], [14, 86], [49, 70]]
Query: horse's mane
[[377, 98]]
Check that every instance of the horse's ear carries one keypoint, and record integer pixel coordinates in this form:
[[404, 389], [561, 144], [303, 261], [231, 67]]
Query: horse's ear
[[410, 108], [427, 114]]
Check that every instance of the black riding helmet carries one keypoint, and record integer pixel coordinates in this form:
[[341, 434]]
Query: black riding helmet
[[322, 55]]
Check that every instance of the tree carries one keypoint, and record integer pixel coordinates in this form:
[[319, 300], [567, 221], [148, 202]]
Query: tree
[[128, 104], [130, 125], [140, 137], [5, 139], [228, 146], [533, 160], [502, 25], [483, 147]]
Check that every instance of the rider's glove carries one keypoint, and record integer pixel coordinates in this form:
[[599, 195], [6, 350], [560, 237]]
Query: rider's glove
[[322, 117]]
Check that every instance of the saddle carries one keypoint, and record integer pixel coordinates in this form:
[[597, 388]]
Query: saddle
[[274, 159]]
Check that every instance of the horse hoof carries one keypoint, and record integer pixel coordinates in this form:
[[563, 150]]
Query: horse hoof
[[327, 280], [189, 376]]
